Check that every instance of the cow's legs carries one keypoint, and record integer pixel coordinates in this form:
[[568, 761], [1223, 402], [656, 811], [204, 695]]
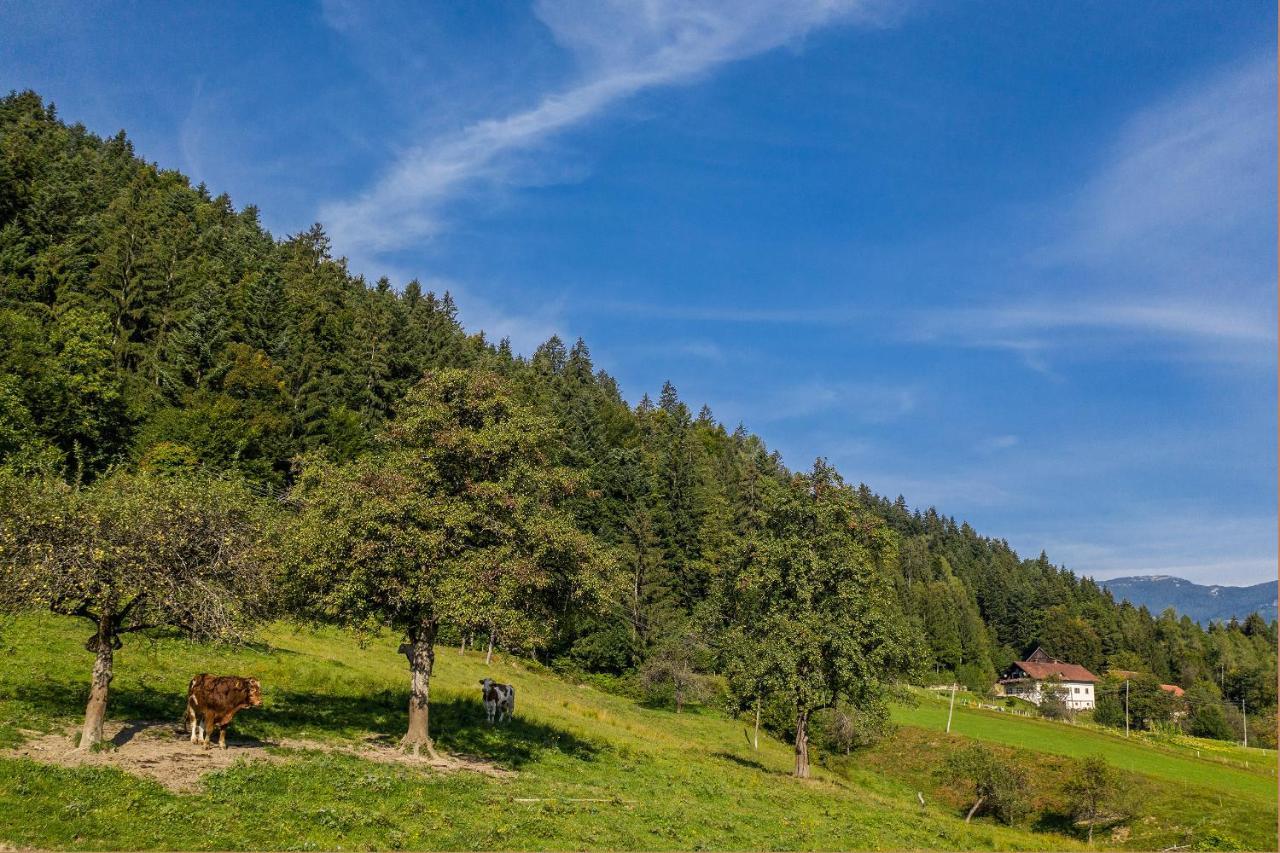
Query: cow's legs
[[206, 727], [222, 737]]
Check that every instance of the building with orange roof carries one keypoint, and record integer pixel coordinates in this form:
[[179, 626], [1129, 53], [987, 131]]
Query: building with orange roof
[[1026, 679]]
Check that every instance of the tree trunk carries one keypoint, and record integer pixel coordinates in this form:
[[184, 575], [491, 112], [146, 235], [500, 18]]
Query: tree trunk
[[95, 713], [488, 656], [802, 745], [421, 652], [755, 738], [975, 808]]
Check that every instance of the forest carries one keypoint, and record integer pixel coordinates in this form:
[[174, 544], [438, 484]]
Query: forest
[[203, 426]]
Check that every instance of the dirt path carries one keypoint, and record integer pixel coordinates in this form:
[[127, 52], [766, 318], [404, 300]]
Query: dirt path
[[162, 752]]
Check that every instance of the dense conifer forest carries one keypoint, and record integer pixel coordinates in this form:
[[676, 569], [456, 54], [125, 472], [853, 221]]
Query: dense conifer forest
[[148, 325]]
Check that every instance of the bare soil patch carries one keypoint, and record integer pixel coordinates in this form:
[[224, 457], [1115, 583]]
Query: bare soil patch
[[164, 753]]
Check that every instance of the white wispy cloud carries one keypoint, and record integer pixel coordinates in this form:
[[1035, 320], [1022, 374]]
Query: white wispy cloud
[[1185, 182], [525, 329], [996, 443], [621, 48], [864, 402], [1171, 239], [1219, 329]]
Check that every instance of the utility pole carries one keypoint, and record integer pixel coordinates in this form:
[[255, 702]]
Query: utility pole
[[952, 706], [1126, 707], [1245, 719]]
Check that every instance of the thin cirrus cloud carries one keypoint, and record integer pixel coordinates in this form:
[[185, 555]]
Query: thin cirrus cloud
[[1171, 239], [1169, 242], [1186, 182], [620, 49], [866, 402], [1212, 329]]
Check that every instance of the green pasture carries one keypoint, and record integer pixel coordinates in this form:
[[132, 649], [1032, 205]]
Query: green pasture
[[592, 770]]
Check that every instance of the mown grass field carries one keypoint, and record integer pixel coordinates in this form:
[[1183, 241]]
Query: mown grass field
[[660, 780], [1225, 767], [1185, 791]]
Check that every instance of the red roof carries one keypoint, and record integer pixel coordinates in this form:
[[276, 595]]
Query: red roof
[[1064, 671], [1167, 688]]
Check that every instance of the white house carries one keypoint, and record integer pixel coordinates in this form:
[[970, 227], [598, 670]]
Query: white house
[[1025, 679]]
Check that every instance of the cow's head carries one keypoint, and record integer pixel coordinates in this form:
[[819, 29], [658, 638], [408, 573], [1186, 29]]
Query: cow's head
[[485, 684], [255, 692]]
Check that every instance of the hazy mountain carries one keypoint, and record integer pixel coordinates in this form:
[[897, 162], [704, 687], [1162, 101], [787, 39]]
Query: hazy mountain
[[1201, 603]]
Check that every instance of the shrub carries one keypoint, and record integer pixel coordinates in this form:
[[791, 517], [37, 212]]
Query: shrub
[[846, 728], [1209, 721], [1109, 710], [1092, 794], [1053, 700], [998, 787], [676, 671]]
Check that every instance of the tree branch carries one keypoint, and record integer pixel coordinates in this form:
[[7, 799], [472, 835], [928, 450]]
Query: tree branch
[[120, 617], [84, 612], [134, 628]]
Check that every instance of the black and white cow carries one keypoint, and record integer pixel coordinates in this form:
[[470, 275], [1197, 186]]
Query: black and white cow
[[499, 699]]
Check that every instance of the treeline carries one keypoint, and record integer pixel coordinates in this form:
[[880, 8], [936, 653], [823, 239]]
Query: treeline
[[148, 328]]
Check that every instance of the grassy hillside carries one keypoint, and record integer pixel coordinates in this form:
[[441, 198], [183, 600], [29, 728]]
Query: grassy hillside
[[591, 770], [1228, 768], [1184, 790]]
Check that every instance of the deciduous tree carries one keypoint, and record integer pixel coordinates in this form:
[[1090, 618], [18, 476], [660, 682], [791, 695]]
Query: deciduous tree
[[997, 785], [131, 553], [455, 520], [1092, 791], [811, 613]]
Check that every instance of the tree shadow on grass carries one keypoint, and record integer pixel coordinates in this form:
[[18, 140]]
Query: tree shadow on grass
[[749, 763], [458, 725], [1054, 821], [133, 702]]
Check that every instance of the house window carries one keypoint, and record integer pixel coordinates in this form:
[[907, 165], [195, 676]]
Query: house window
[[1076, 689]]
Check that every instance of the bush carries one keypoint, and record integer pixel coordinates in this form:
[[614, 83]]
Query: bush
[[676, 671], [1262, 729], [1109, 710], [998, 787], [1053, 701], [846, 728], [1209, 721], [1092, 794], [976, 677], [609, 649]]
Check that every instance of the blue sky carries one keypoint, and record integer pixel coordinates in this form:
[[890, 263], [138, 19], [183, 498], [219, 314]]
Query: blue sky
[[1015, 260]]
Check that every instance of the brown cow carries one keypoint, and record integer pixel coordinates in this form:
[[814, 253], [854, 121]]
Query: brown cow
[[212, 702]]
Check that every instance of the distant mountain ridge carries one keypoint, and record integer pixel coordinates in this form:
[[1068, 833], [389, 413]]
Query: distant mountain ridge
[[1204, 604]]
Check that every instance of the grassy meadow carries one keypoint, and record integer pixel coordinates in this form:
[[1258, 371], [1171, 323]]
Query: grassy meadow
[[590, 770]]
